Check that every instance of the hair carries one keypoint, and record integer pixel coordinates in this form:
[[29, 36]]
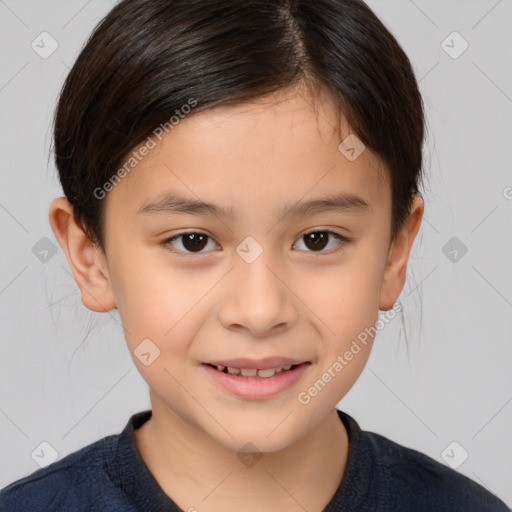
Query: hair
[[147, 59]]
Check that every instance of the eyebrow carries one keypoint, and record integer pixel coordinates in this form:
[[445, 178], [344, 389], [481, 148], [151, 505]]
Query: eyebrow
[[174, 204]]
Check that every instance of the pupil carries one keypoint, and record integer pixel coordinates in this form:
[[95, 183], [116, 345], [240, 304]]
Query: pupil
[[194, 241], [317, 240]]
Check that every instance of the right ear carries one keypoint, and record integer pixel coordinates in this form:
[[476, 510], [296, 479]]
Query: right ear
[[86, 260]]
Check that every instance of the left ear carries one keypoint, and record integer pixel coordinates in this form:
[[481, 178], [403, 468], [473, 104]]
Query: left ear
[[395, 273]]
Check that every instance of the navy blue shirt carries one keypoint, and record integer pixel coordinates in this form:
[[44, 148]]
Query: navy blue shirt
[[381, 476]]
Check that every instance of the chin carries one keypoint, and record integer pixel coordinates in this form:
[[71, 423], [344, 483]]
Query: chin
[[256, 438]]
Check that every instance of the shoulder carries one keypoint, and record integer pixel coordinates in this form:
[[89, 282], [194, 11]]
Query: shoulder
[[415, 481], [66, 483]]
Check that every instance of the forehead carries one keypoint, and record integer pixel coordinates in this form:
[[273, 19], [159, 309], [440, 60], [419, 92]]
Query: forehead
[[277, 149]]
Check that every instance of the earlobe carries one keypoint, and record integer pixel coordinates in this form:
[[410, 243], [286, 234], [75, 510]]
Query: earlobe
[[395, 273], [86, 260]]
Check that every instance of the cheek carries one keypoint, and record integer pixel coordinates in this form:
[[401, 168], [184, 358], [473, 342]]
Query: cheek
[[347, 306], [153, 300], [344, 355], [345, 298]]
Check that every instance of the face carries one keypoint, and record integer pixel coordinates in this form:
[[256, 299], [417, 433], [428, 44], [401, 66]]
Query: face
[[197, 286]]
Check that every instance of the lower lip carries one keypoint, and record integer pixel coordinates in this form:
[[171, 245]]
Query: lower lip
[[256, 387]]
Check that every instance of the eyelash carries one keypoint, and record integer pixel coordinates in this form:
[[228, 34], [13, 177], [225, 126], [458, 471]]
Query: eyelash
[[167, 242]]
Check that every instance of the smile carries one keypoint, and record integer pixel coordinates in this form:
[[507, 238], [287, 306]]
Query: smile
[[256, 384], [254, 372]]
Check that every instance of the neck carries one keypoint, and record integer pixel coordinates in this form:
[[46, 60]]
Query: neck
[[197, 472]]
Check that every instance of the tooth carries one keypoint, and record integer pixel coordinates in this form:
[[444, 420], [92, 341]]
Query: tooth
[[279, 370], [249, 372], [266, 373], [233, 371], [220, 368], [287, 367]]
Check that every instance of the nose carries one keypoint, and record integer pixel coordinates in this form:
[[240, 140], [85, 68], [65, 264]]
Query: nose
[[258, 298]]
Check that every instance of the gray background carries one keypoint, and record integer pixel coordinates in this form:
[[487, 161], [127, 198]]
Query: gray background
[[66, 376]]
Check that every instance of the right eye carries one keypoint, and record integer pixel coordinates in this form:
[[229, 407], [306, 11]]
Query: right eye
[[191, 241]]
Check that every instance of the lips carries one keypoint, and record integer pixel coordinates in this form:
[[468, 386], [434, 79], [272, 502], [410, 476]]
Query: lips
[[259, 387], [258, 364]]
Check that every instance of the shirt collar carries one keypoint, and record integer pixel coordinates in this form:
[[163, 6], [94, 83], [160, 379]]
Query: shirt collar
[[356, 491]]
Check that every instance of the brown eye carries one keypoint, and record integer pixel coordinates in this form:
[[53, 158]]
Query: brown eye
[[195, 242], [191, 242], [316, 241]]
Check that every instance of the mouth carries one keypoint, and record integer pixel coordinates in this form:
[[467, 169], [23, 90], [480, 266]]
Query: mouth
[[255, 383], [262, 373]]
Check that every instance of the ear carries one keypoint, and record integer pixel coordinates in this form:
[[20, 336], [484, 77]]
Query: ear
[[395, 273], [86, 260]]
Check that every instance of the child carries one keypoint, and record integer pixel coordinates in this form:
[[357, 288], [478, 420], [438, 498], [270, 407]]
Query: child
[[242, 185]]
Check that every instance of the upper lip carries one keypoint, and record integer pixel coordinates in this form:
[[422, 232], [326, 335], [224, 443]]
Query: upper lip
[[259, 364]]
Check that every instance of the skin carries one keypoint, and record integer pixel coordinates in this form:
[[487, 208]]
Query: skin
[[291, 301]]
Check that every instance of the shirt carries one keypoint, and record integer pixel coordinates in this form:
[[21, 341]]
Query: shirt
[[109, 475]]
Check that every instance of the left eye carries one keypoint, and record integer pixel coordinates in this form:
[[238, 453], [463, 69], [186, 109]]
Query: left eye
[[194, 242], [319, 240]]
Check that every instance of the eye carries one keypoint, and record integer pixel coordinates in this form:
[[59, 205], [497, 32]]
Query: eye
[[318, 240], [194, 242]]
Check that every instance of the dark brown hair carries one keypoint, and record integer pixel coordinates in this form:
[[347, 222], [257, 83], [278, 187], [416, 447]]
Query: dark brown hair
[[148, 58]]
